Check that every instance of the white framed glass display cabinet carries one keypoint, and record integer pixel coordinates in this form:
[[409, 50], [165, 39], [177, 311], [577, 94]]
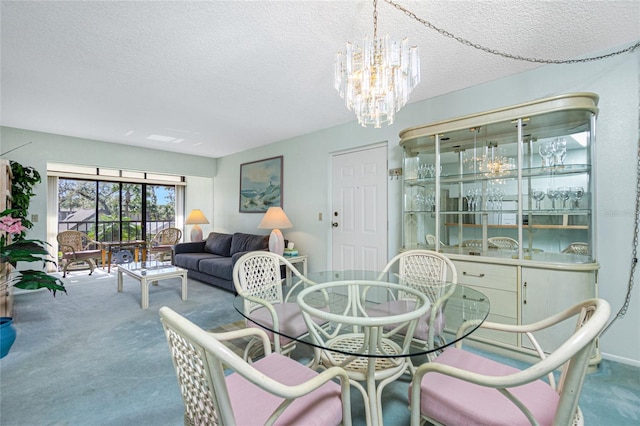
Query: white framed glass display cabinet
[[509, 188]]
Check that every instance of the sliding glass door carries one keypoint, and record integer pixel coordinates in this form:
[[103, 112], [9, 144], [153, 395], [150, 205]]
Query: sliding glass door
[[115, 211]]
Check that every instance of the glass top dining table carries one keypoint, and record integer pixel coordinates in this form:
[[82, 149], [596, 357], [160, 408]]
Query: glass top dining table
[[333, 298]]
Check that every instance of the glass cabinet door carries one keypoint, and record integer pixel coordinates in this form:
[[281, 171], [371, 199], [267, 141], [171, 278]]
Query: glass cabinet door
[[420, 198], [557, 186], [516, 187]]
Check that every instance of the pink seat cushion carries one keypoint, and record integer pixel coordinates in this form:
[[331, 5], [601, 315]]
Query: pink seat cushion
[[455, 402], [397, 307], [290, 320], [252, 405]]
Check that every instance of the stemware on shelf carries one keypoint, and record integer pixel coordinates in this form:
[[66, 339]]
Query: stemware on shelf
[[553, 194], [577, 192], [494, 198], [546, 152], [538, 195], [559, 151], [564, 193], [553, 152]]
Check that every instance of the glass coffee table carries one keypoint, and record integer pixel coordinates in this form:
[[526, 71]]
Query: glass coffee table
[[150, 273]]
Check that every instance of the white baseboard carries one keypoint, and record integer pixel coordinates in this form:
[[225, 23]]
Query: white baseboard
[[622, 360]]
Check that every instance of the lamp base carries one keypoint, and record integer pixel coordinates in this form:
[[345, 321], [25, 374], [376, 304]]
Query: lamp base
[[276, 242], [196, 233]]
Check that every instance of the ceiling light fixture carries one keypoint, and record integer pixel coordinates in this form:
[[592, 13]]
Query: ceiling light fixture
[[375, 80]]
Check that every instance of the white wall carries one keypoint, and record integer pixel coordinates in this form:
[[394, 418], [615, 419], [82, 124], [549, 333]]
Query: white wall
[[199, 195], [46, 147], [306, 171]]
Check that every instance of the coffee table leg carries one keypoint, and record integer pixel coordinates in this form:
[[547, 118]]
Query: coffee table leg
[[184, 286], [144, 293]]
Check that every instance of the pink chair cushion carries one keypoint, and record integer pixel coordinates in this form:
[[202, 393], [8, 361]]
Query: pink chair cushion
[[402, 306], [290, 320], [455, 402], [252, 405]]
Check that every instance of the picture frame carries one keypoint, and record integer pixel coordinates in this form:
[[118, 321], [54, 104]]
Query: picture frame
[[261, 185]]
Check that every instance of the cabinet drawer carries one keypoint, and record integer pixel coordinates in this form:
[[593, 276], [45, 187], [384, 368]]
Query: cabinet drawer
[[503, 303], [487, 275]]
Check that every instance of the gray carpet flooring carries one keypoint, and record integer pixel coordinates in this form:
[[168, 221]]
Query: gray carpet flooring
[[93, 357]]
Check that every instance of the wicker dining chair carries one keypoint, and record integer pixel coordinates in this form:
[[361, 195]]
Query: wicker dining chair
[[258, 278], [463, 387], [273, 389], [434, 275], [504, 243], [577, 248]]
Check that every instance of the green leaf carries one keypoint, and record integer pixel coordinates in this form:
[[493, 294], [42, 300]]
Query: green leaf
[[34, 280]]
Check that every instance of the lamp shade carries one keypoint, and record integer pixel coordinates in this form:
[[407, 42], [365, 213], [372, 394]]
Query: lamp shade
[[196, 217], [273, 219]]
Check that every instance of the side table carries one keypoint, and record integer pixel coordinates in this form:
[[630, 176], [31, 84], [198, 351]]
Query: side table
[[295, 260]]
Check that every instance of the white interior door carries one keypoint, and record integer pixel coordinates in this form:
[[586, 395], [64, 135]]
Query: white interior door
[[359, 209]]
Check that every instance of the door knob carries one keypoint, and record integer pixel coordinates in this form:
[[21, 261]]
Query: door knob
[[334, 224]]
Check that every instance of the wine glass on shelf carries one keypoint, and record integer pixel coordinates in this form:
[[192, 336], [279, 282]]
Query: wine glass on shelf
[[577, 192], [430, 201], [559, 151], [546, 151], [477, 198], [499, 197], [538, 195], [469, 197], [564, 193], [552, 194]]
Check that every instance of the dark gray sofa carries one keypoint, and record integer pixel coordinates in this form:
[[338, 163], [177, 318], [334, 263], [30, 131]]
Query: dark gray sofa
[[211, 261]]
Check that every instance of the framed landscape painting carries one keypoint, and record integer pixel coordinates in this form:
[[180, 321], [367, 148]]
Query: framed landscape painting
[[261, 185]]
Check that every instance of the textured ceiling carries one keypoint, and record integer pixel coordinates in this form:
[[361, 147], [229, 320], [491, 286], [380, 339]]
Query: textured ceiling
[[218, 77]]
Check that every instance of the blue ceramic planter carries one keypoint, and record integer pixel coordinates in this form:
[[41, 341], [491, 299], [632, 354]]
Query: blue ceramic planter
[[7, 335]]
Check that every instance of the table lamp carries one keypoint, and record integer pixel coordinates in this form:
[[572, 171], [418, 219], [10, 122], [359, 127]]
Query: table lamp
[[196, 218], [274, 219]]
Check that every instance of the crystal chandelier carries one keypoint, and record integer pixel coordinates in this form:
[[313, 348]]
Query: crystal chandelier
[[375, 80]]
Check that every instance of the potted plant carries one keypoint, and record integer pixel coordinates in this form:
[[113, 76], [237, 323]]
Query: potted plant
[[11, 253], [14, 248]]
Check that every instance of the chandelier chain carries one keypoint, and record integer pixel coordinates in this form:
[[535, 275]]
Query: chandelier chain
[[503, 54]]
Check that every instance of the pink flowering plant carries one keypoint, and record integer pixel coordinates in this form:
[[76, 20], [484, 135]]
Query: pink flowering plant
[[23, 250]]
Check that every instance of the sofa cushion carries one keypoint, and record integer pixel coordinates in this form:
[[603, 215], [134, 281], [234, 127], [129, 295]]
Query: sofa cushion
[[248, 242], [220, 267], [192, 260], [219, 244]]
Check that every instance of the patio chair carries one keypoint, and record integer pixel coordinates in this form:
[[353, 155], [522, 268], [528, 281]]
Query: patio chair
[[274, 389], [257, 277], [77, 248], [161, 246], [461, 387]]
